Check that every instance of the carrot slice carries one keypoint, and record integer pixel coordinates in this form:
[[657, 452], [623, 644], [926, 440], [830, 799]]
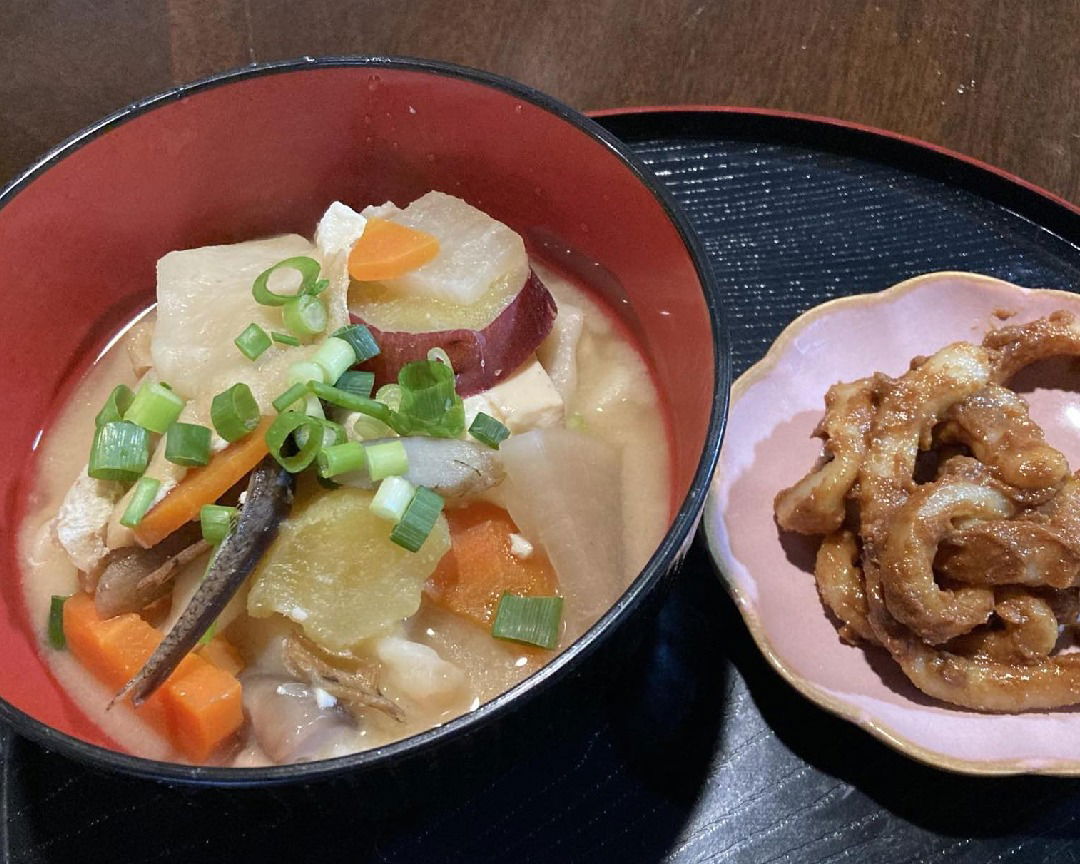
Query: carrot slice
[[387, 250], [204, 706], [480, 566], [203, 486], [197, 707]]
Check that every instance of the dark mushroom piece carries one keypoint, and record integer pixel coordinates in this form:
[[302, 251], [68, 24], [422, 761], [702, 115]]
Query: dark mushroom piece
[[269, 498], [133, 578]]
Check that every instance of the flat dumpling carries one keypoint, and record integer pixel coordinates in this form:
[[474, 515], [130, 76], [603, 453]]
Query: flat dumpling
[[205, 301]]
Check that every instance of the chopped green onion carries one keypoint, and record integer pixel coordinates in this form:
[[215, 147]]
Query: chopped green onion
[[155, 407], [352, 402], [290, 397], [309, 281], [363, 343], [536, 620], [216, 521], [115, 406], [305, 316], [187, 444], [142, 499], [576, 421], [234, 412], [284, 425], [389, 395], [392, 498], [56, 621], [487, 430], [340, 458], [332, 433], [438, 355], [301, 373], [252, 341], [313, 407], [357, 383], [368, 428], [420, 517], [121, 451], [429, 403], [386, 459], [335, 356], [284, 338]]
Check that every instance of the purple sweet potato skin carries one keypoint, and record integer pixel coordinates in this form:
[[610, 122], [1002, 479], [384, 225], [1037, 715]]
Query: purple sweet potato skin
[[481, 358]]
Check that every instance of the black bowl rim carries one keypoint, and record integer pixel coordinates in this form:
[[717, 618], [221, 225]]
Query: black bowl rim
[[675, 541]]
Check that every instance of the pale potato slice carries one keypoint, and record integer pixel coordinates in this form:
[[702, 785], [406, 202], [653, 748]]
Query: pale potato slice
[[334, 570]]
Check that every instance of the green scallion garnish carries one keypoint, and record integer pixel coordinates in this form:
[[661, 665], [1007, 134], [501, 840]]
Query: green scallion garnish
[[419, 518], [305, 316], [187, 444], [487, 430], [57, 639], [234, 412], [310, 284], [341, 458], [535, 620], [352, 402], [284, 339], [155, 407], [210, 633], [142, 499], [363, 343], [392, 498], [332, 433], [121, 451], [252, 341], [334, 356], [386, 459], [290, 397], [430, 404], [118, 402], [216, 521], [301, 373], [389, 395], [369, 428], [357, 383], [280, 432]]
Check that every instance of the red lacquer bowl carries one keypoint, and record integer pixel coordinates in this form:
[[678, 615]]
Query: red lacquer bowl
[[263, 151]]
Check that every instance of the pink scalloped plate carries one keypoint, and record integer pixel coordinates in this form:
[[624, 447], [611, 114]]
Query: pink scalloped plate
[[774, 408]]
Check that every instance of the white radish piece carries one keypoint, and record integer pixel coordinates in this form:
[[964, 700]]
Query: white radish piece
[[564, 490]]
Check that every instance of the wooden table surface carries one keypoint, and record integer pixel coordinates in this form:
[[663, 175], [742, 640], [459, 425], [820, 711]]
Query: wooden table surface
[[997, 79]]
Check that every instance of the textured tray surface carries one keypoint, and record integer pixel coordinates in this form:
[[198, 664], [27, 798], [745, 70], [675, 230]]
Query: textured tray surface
[[695, 750]]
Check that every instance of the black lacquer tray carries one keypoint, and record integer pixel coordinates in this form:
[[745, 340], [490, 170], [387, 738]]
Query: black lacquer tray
[[693, 750]]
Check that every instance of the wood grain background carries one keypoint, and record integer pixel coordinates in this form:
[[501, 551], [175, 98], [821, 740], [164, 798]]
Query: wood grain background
[[997, 79]]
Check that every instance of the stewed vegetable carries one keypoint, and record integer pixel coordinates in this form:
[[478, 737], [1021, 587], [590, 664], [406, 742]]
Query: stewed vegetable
[[356, 487]]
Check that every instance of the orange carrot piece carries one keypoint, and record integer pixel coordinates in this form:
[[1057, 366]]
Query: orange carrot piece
[[204, 706], [480, 567], [203, 486], [221, 652], [187, 709], [387, 250]]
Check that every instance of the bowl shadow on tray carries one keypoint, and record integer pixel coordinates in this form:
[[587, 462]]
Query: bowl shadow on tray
[[953, 805], [633, 731]]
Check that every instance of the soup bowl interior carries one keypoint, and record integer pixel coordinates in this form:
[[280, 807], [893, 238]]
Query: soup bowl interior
[[264, 151]]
